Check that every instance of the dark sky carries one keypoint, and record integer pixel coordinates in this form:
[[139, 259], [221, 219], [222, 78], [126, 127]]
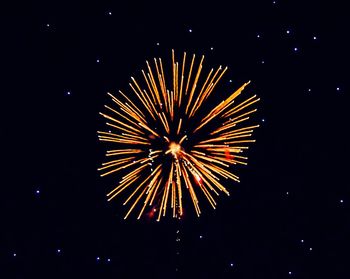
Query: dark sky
[[289, 216]]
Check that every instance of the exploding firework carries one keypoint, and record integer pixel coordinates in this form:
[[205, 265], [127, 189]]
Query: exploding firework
[[172, 138]]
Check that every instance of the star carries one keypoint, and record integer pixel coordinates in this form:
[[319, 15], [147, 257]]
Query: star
[[109, 13], [68, 93], [296, 49], [98, 258], [14, 254], [190, 30], [37, 192], [302, 241], [97, 60], [314, 37], [338, 88], [341, 201], [288, 31], [290, 273], [108, 260]]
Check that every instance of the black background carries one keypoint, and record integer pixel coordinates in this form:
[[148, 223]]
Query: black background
[[290, 191]]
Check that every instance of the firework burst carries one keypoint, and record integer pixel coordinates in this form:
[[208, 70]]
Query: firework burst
[[171, 139]]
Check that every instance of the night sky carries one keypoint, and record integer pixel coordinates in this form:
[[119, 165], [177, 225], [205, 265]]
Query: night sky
[[289, 216]]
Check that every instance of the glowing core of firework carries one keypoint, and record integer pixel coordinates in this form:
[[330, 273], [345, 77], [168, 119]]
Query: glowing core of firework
[[174, 149]]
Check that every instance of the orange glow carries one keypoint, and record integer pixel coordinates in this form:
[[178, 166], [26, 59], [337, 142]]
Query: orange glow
[[174, 148], [198, 179], [228, 155]]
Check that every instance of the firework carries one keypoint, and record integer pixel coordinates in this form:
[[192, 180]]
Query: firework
[[172, 138]]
